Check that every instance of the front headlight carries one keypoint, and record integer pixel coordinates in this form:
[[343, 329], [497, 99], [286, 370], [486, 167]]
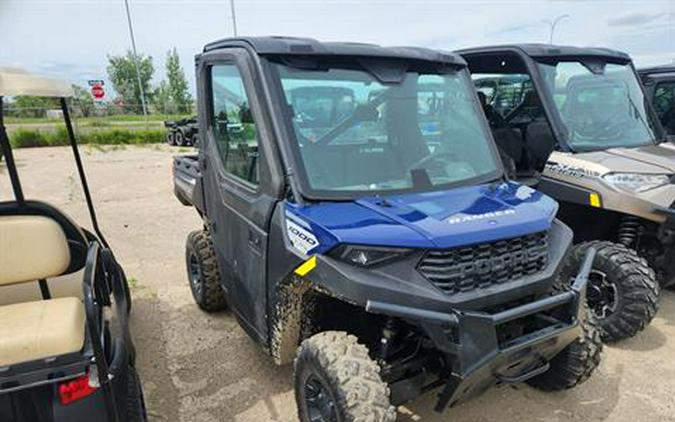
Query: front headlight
[[366, 256], [635, 182]]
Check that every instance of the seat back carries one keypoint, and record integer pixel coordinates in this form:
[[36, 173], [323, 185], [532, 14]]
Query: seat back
[[32, 247], [539, 143]]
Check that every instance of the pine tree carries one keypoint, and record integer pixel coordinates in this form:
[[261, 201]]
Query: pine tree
[[177, 83]]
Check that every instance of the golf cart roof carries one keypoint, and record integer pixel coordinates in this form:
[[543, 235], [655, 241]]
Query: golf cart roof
[[291, 46], [548, 51], [15, 81]]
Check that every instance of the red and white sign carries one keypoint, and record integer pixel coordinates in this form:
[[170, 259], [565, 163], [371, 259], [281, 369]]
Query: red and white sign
[[97, 90]]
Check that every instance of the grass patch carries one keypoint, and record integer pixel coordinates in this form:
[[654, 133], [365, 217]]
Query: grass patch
[[26, 138], [97, 120], [133, 282]]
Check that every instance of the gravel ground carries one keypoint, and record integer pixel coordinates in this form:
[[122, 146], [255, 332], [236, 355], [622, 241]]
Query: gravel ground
[[199, 367]]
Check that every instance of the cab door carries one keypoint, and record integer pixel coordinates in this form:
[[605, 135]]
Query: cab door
[[240, 189]]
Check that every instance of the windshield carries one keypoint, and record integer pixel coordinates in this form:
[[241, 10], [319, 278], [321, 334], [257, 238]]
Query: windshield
[[601, 108], [357, 135]]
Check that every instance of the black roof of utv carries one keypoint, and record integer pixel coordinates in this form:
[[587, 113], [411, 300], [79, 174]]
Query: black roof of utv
[[273, 45], [552, 51], [666, 71]]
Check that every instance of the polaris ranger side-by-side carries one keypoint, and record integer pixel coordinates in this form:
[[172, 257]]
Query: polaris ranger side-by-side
[[659, 83], [183, 132], [582, 111], [368, 233]]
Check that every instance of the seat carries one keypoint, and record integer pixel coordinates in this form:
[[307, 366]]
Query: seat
[[31, 247], [35, 247], [539, 144], [40, 329]]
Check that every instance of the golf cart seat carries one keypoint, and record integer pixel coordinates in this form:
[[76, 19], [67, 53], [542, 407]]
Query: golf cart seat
[[32, 248], [38, 330]]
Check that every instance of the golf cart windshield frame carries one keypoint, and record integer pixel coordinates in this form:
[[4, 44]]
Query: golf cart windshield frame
[[270, 69], [6, 148], [533, 56]]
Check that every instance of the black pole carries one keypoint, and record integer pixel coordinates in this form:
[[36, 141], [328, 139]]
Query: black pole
[[6, 150], [80, 170]]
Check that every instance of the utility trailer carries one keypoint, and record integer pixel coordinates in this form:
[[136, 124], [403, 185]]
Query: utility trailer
[[383, 252]]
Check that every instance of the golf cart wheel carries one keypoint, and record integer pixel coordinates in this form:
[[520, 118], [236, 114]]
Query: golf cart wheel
[[135, 401], [202, 271], [195, 140], [170, 138], [622, 289], [336, 381], [180, 139]]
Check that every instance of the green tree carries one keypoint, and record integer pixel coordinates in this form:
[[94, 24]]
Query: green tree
[[161, 99], [83, 101], [33, 106], [122, 74], [178, 86]]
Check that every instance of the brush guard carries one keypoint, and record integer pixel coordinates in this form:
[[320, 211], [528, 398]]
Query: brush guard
[[480, 358]]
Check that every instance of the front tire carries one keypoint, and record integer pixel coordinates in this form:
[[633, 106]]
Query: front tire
[[180, 139], [170, 138], [202, 271], [576, 362], [336, 381], [622, 289]]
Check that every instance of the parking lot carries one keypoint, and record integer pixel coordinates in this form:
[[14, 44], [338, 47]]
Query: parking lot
[[203, 367]]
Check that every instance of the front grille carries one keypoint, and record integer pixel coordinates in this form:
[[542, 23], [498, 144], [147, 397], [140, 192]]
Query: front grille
[[464, 269]]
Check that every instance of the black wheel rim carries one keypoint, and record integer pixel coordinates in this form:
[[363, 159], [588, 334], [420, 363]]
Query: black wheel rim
[[602, 294], [195, 275], [319, 401]]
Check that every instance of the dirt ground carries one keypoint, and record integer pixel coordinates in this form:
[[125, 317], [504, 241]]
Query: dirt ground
[[200, 367]]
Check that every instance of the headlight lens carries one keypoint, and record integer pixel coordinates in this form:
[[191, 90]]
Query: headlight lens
[[366, 256], [635, 182]]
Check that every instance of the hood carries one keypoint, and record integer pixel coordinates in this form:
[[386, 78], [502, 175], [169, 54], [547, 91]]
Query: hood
[[444, 219], [653, 159], [653, 156]]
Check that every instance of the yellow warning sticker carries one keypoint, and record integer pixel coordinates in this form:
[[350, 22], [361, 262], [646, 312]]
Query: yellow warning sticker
[[594, 199], [306, 267]]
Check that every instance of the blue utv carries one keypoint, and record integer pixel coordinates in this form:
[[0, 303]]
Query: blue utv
[[358, 222]]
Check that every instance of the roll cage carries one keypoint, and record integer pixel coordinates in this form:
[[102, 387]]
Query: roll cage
[[258, 53]]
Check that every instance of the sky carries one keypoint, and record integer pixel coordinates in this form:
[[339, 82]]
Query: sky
[[72, 38]]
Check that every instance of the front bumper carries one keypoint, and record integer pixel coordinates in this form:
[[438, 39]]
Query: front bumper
[[481, 356]]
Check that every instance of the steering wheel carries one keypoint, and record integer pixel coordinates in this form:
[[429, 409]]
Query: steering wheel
[[429, 158]]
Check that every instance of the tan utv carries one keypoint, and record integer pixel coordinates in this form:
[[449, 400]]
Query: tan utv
[[577, 123]]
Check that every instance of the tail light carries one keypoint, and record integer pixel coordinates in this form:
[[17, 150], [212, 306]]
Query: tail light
[[75, 389]]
